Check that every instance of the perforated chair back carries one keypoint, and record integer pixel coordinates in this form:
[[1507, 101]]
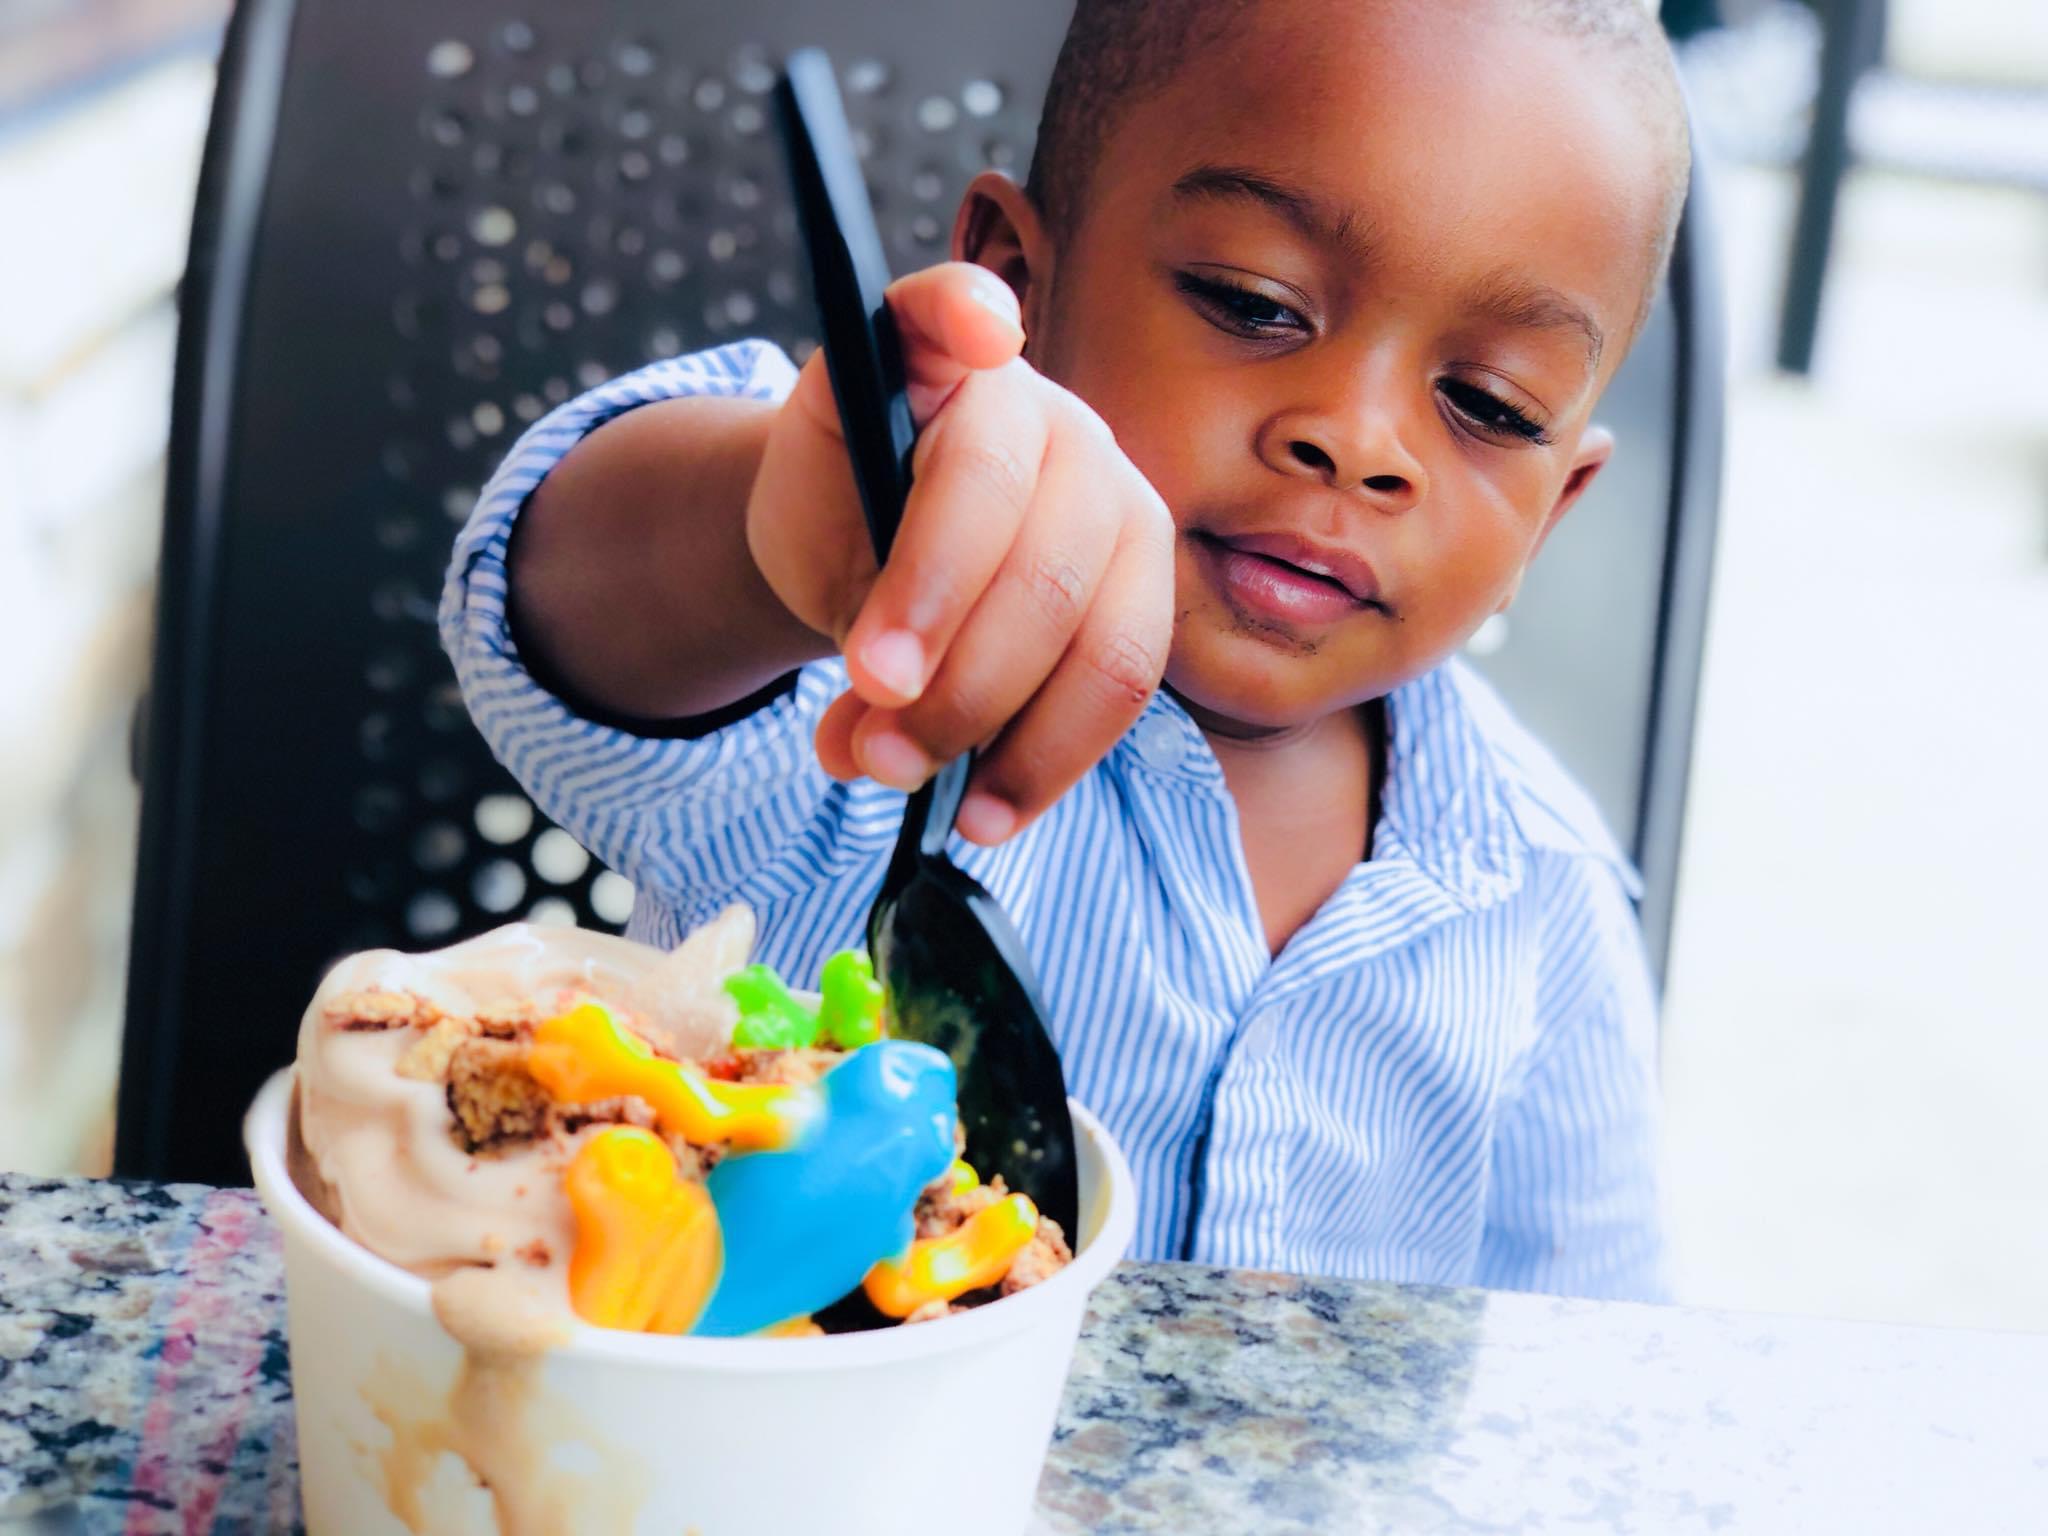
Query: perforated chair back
[[418, 228]]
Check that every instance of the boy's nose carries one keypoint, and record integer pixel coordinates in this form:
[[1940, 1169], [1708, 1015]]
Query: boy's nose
[[1366, 456]]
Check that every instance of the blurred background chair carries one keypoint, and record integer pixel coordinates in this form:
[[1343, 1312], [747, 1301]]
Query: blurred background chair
[[103, 109], [1907, 113], [418, 228]]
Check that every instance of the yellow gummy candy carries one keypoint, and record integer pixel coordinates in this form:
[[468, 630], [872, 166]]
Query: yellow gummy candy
[[964, 1176], [979, 1253], [583, 1056], [648, 1249]]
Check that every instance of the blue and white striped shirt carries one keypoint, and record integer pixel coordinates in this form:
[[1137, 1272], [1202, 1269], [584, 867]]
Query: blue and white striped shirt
[[1448, 1073]]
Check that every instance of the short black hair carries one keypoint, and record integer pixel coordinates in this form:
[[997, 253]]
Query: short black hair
[[1117, 52]]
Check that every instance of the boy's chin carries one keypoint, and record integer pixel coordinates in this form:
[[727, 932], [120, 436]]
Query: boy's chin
[[1237, 683]]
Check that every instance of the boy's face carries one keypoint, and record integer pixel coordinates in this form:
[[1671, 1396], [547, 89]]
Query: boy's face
[[1347, 291]]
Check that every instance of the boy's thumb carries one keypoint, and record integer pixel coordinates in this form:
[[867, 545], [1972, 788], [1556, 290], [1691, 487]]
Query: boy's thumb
[[953, 319]]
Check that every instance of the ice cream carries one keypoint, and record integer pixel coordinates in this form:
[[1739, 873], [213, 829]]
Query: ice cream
[[682, 1145]]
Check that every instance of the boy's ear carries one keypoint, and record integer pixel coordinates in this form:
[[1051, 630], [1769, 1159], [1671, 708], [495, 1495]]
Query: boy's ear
[[1596, 447], [1000, 228]]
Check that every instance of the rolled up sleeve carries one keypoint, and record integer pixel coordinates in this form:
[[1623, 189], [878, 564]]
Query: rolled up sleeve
[[686, 818]]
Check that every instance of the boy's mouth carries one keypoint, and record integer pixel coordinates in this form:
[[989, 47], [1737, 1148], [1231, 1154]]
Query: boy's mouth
[[1283, 576]]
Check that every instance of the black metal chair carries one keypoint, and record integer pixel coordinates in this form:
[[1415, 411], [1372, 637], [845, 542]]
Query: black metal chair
[[1852, 43], [1868, 112], [419, 227]]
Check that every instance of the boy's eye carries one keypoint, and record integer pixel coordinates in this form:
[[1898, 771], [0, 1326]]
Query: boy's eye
[[1491, 414], [1241, 311]]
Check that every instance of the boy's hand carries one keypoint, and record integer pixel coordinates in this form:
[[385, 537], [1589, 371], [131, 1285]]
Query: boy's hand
[[1028, 600]]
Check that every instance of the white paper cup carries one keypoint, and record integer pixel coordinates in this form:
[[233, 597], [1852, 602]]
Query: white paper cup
[[940, 1426]]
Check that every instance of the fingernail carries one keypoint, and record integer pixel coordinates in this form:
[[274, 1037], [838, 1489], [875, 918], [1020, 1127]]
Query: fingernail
[[895, 659], [998, 298], [893, 759], [985, 819]]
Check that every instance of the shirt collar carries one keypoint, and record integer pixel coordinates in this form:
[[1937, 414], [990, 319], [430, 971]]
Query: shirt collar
[[1445, 805], [1456, 808]]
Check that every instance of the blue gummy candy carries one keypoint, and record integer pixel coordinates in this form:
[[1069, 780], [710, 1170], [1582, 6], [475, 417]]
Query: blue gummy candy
[[804, 1225]]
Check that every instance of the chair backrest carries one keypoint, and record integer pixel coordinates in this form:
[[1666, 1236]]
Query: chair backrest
[[418, 228]]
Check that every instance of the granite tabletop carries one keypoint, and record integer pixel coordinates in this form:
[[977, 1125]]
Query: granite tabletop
[[145, 1377]]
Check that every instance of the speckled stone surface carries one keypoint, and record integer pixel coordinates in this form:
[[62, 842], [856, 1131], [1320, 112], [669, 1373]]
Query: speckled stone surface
[[144, 1375], [143, 1370]]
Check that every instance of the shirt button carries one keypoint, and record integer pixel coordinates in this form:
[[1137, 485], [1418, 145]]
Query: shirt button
[[1160, 743]]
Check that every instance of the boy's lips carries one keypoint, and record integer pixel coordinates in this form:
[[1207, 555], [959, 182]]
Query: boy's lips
[[1286, 577]]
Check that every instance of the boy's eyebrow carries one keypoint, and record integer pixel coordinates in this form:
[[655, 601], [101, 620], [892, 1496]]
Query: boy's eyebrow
[[1505, 297], [1303, 210], [1535, 306]]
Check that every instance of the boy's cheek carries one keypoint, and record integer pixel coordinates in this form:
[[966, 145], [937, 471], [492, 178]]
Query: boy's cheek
[[1177, 417], [1192, 453]]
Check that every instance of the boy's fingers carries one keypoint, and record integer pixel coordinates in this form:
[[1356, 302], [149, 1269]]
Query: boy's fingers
[[804, 526], [1023, 623], [887, 754], [1099, 688], [953, 319], [978, 466], [834, 736]]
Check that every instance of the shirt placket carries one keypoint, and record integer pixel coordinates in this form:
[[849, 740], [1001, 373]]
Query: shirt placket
[[1244, 1173], [1263, 1088], [1185, 813]]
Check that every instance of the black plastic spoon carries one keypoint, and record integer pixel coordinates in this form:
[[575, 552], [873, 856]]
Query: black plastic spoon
[[955, 970]]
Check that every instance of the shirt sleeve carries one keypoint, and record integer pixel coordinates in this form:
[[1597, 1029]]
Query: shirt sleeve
[[1573, 1203], [685, 819]]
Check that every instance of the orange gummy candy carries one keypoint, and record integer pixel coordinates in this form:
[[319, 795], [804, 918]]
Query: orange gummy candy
[[979, 1253], [648, 1248], [584, 1055]]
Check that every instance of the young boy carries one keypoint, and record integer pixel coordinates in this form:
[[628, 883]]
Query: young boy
[[1270, 384]]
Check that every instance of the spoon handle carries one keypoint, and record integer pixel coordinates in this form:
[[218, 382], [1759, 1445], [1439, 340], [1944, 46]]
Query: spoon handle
[[863, 354], [933, 807], [850, 271], [928, 821]]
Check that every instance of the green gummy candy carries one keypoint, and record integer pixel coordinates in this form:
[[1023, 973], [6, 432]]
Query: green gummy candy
[[771, 1019], [851, 1014]]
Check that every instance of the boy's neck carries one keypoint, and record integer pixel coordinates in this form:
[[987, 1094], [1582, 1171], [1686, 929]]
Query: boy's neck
[[1307, 800], [1257, 752]]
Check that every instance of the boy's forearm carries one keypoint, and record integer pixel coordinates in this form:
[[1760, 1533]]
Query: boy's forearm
[[631, 580]]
